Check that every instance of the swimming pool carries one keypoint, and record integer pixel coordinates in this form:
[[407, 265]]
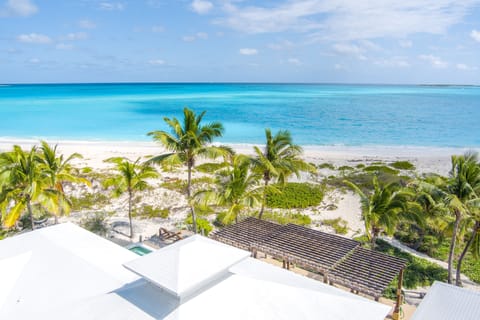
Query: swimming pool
[[140, 250]]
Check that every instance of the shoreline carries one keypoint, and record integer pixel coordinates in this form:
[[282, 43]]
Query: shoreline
[[400, 150], [426, 159]]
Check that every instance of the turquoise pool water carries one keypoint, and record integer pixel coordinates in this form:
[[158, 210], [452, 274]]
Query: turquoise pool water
[[141, 251]]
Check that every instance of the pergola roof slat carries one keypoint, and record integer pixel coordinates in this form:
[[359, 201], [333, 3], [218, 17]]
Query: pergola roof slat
[[341, 259]]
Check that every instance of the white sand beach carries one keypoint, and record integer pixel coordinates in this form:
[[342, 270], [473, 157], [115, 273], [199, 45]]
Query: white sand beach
[[336, 204]]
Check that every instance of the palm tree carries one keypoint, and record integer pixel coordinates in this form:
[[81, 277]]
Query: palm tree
[[24, 182], [471, 174], [385, 207], [58, 171], [186, 142], [130, 178], [459, 193], [237, 190], [279, 159]]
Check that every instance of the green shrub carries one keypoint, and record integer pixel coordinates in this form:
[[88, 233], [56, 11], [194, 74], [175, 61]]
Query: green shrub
[[175, 185], [148, 212], [295, 195], [378, 168], [345, 168], [202, 180], [203, 226], [210, 167], [89, 201], [87, 170], [419, 272], [220, 220], [326, 165], [95, 222], [402, 165], [288, 217], [339, 225], [360, 166]]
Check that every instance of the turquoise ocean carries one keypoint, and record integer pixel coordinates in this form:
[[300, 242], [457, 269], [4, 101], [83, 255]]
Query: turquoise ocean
[[316, 114]]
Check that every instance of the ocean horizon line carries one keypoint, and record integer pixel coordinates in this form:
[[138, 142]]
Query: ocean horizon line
[[244, 83]]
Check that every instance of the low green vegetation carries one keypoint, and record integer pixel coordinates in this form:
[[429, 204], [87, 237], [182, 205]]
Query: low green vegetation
[[203, 226], [345, 168], [210, 167], [288, 217], [174, 185], [381, 168], [295, 195], [326, 165], [149, 212], [418, 273], [339, 225], [402, 165], [89, 201]]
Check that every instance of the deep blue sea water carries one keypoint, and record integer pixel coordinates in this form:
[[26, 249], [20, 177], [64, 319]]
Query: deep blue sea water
[[357, 115]]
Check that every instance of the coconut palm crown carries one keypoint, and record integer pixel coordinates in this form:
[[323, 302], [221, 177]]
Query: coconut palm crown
[[187, 141], [23, 183], [385, 207], [279, 159], [130, 177]]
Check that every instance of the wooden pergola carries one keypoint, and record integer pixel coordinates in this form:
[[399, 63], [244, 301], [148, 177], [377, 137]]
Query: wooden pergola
[[340, 260]]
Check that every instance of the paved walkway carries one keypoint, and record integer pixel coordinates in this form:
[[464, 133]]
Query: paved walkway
[[467, 283]]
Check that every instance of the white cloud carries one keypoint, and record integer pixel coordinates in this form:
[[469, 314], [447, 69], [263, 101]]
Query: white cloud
[[405, 43], [338, 66], [465, 67], [197, 36], [74, 36], [475, 34], [158, 29], [34, 60], [280, 45], [202, 35], [201, 6], [248, 51], [369, 45], [393, 62], [156, 62], [87, 24], [188, 38], [294, 61], [23, 8], [344, 20], [436, 62], [64, 46], [111, 6], [34, 38], [350, 49]]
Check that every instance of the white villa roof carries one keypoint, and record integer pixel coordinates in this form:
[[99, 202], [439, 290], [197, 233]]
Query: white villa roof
[[445, 301], [65, 272], [185, 266]]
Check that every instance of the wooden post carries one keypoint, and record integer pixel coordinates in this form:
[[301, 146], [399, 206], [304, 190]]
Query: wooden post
[[396, 310], [283, 264]]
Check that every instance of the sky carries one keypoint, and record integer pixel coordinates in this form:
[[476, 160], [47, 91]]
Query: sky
[[333, 41]]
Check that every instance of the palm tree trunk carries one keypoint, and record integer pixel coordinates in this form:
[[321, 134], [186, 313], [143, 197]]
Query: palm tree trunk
[[374, 238], [189, 185], [130, 196], [452, 246], [30, 213], [458, 280], [264, 200]]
